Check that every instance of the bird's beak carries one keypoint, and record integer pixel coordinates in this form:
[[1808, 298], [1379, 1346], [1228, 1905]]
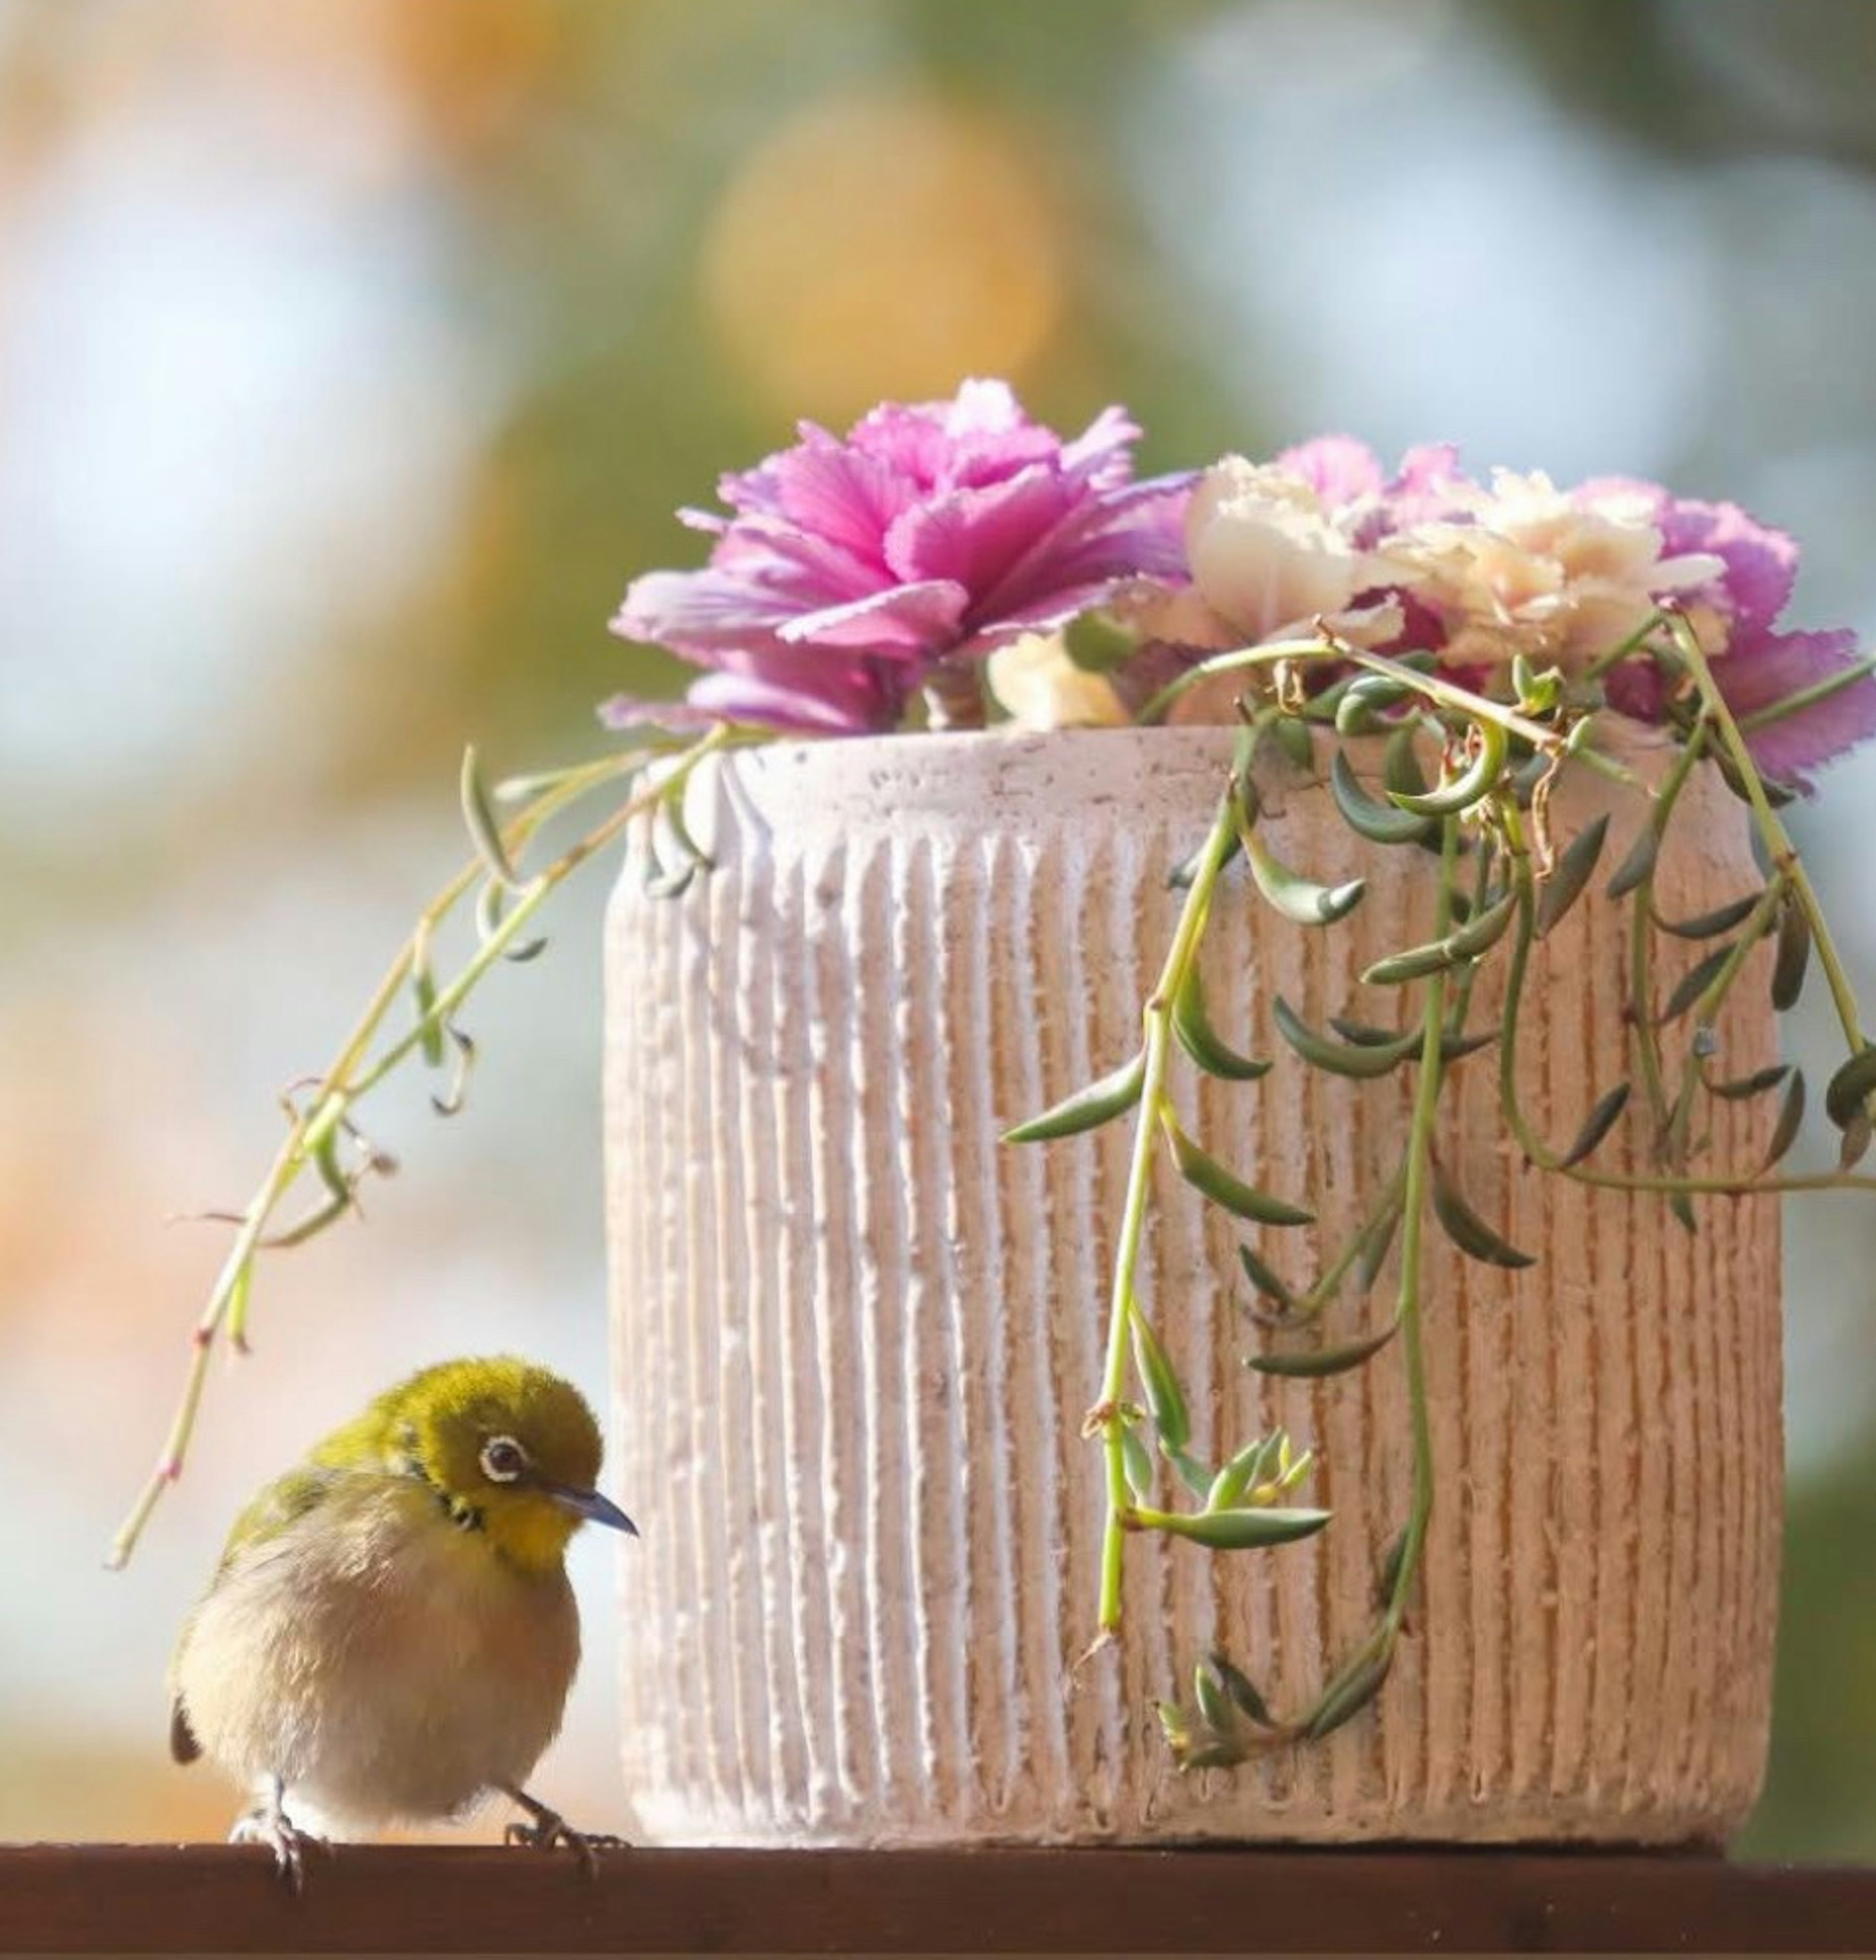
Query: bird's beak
[[590, 1504]]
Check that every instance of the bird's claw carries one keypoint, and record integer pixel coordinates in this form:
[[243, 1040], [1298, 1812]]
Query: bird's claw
[[549, 1829], [281, 1836]]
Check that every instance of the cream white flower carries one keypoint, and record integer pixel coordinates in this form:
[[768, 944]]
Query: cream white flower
[[1268, 557], [1559, 576], [1040, 687]]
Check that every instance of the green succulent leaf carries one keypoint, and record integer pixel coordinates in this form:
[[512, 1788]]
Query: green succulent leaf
[[1722, 919], [1363, 1060], [1298, 900], [1088, 1109], [1596, 1125], [1790, 1119], [1638, 866], [1165, 1398], [1472, 784], [1792, 958], [1233, 1531], [1367, 816], [1324, 1360], [1744, 1087], [423, 981], [1137, 1460], [1192, 1026], [1237, 1684], [1573, 871], [1468, 1230], [1400, 771], [1375, 1244], [1350, 1693], [1264, 1279], [1694, 982], [1205, 1174], [478, 813], [1214, 1704], [1248, 1468], [1848, 1091], [449, 1103], [1293, 736]]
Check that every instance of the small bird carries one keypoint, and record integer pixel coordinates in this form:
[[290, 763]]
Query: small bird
[[390, 1634]]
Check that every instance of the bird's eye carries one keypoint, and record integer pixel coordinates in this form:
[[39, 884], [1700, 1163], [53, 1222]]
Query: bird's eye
[[504, 1459]]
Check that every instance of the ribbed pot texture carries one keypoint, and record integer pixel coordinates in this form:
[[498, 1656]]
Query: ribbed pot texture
[[855, 1335]]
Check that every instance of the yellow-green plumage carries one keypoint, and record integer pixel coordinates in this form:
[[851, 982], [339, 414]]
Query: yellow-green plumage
[[390, 1634]]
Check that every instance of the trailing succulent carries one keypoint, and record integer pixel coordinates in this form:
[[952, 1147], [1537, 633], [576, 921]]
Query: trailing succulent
[[954, 564]]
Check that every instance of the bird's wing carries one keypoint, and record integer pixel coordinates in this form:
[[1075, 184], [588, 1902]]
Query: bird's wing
[[272, 1509]]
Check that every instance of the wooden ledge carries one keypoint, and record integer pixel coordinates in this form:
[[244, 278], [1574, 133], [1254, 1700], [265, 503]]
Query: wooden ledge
[[57, 1899]]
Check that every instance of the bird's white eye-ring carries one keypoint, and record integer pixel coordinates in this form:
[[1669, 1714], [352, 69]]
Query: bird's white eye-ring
[[503, 1460]]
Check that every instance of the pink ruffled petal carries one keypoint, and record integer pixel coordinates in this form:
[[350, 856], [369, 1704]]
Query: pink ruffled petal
[[1337, 467], [1761, 563], [1768, 671], [914, 621], [972, 537]]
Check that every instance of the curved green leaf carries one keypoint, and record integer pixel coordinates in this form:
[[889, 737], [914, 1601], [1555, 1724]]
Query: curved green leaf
[[1744, 1087], [1850, 1089], [1264, 1279], [1237, 1686], [1723, 918], [1572, 872], [1596, 1125], [1233, 1530], [1468, 1230], [1165, 1398], [1638, 866], [1792, 960], [1790, 1119], [1324, 1360], [478, 813], [1301, 901], [1367, 816], [1205, 1174], [1099, 1102], [1349, 1694], [1363, 1060], [1473, 782], [1693, 983], [1192, 1026]]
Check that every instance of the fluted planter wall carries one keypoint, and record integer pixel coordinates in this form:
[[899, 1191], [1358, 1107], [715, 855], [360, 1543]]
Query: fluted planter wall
[[856, 1337]]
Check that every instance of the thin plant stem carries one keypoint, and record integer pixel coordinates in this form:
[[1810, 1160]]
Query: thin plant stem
[[1780, 848], [348, 1077], [1413, 1226], [1157, 1022]]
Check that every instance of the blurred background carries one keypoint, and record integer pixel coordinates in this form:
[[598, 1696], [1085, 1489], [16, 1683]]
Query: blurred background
[[354, 353]]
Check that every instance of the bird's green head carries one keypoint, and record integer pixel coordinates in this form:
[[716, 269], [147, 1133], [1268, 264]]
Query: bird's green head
[[510, 1449]]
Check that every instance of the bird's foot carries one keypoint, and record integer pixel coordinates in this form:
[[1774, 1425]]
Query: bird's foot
[[270, 1825], [547, 1829]]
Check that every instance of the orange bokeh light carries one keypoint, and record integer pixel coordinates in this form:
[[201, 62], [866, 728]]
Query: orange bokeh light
[[882, 245]]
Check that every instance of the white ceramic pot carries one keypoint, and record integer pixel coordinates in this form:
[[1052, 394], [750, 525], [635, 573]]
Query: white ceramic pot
[[855, 1337]]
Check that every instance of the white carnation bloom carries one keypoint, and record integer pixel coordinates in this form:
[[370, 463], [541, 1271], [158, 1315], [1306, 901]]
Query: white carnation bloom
[[1268, 557], [1560, 577]]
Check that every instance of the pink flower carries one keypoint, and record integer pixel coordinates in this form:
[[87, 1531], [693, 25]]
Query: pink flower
[[1755, 664], [934, 531]]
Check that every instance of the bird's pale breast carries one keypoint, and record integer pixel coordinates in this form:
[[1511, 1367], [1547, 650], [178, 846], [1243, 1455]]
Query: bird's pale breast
[[380, 1660]]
